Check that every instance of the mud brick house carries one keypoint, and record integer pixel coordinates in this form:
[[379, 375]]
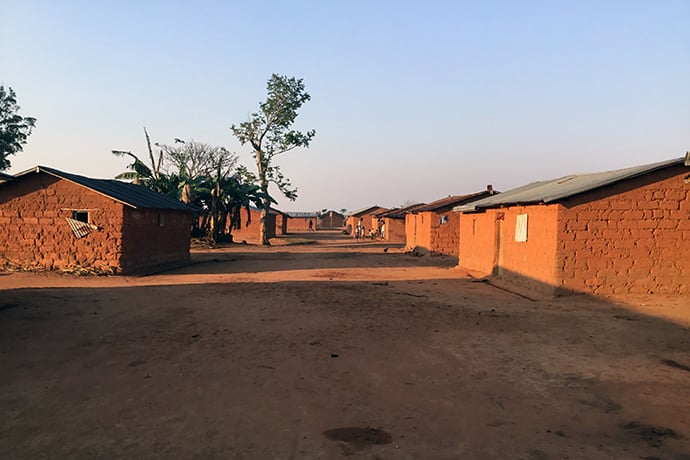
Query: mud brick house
[[366, 214], [611, 233], [55, 220], [299, 221], [282, 222], [331, 219], [394, 221], [435, 227], [249, 225]]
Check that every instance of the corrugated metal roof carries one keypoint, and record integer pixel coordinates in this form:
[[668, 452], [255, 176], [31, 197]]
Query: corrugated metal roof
[[454, 200], [564, 187], [399, 213], [363, 211], [136, 196], [303, 214]]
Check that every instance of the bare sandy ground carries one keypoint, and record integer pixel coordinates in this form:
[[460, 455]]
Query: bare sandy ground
[[329, 350]]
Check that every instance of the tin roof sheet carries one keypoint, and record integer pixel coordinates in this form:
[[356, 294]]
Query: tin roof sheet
[[136, 196], [361, 212], [564, 187], [454, 200], [399, 213], [303, 214]]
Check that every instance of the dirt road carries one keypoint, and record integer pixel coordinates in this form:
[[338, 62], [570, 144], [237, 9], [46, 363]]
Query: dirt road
[[329, 350]]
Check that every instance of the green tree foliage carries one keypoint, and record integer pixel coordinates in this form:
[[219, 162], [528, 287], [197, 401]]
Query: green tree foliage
[[14, 129], [199, 174], [269, 132]]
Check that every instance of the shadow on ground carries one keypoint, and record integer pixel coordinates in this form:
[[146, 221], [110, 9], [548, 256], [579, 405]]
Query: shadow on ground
[[389, 369]]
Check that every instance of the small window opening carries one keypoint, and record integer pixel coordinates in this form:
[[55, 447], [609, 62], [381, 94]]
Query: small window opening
[[521, 228], [161, 219], [443, 220], [81, 216]]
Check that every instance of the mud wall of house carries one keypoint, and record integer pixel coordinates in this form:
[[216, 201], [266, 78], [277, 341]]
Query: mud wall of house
[[444, 233], [420, 229], [282, 224], [250, 233], [301, 224], [410, 231], [436, 232], [332, 219], [155, 239], [631, 238], [477, 242], [35, 232], [531, 262], [366, 222], [395, 230], [489, 244]]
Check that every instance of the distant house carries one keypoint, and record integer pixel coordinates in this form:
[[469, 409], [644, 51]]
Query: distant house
[[611, 233], [366, 215], [53, 220], [435, 227], [282, 222], [331, 220], [250, 225], [299, 221], [394, 222]]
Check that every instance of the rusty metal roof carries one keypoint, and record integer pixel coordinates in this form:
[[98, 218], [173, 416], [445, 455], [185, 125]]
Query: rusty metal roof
[[454, 200], [564, 187], [135, 196]]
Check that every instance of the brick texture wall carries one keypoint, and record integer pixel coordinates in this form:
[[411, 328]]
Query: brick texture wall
[[395, 230], [424, 229], [300, 224], [33, 212], [629, 238], [35, 234], [632, 238], [332, 219], [282, 224], [154, 239], [250, 233], [367, 221]]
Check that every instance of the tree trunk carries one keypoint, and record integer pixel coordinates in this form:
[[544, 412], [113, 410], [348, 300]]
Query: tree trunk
[[263, 236], [265, 203]]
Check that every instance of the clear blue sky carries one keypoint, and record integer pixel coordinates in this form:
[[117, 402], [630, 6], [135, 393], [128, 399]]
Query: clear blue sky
[[411, 101]]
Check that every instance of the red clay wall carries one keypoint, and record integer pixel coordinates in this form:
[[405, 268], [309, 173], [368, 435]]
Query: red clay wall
[[395, 230], [332, 219], [532, 262], [488, 245], [35, 234], [632, 238], [367, 220], [418, 230], [424, 229], [477, 242], [154, 239], [301, 224], [250, 233], [282, 224]]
